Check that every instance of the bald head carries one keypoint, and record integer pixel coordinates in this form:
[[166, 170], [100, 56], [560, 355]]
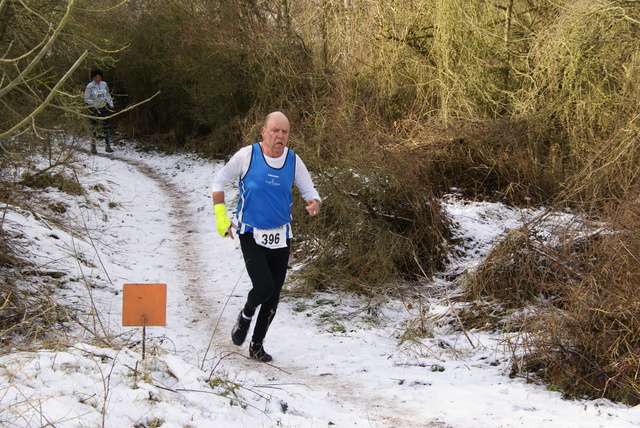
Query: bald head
[[273, 115], [275, 134]]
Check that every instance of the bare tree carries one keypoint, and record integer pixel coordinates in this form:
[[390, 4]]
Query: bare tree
[[26, 88], [42, 45]]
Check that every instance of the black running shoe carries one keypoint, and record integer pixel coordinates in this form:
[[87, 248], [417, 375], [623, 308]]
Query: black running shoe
[[257, 351], [240, 329]]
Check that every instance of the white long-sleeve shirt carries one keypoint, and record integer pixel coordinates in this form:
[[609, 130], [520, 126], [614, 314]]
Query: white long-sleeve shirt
[[238, 166], [97, 95]]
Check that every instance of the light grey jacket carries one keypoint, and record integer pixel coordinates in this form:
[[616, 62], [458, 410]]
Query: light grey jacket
[[97, 95]]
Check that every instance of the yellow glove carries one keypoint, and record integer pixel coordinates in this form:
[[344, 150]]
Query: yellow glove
[[222, 219]]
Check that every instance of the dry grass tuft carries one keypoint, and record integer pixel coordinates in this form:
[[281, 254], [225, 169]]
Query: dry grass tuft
[[523, 268], [60, 181], [28, 310], [581, 289]]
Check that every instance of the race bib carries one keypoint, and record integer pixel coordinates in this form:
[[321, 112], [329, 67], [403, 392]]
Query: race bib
[[102, 94], [271, 238]]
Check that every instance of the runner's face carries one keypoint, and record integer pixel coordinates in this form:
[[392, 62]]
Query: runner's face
[[97, 78], [275, 135]]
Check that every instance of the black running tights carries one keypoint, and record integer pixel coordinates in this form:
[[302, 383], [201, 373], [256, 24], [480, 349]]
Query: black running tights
[[267, 269]]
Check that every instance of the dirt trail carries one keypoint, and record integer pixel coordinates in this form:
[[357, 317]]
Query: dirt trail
[[204, 311], [190, 264]]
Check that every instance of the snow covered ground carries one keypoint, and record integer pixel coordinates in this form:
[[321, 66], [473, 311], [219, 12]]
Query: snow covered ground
[[338, 359]]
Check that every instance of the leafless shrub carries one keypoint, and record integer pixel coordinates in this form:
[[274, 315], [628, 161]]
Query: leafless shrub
[[518, 270], [380, 222], [28, 310], [591, 347], [31, 164], [581, 296], [493, 159]]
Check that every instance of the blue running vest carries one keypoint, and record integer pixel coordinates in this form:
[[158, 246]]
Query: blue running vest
[[265, 197]]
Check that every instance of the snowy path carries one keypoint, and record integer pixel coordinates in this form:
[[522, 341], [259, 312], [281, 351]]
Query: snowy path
[[337, 359], [204, 285], [354, 375]]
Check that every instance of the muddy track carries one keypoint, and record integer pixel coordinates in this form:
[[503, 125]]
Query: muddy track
[[206, 315]]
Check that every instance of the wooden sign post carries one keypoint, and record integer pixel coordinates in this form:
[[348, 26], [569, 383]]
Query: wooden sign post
[[144, 305]]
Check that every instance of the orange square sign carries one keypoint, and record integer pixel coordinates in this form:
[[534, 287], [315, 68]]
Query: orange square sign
[[144, 305]]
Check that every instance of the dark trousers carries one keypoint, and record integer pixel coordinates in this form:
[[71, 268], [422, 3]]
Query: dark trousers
[[98, 122], [267, 269]]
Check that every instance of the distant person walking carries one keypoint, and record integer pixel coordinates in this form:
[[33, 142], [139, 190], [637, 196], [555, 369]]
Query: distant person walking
[[266, 172], [97, 96]]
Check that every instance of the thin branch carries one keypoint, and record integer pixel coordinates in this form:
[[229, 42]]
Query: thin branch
[[46, 101], [105, 10], [45, 49]]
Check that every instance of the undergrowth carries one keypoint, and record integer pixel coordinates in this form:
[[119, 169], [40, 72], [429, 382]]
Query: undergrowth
[[576, 291], [30, 312], [381, 221]]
